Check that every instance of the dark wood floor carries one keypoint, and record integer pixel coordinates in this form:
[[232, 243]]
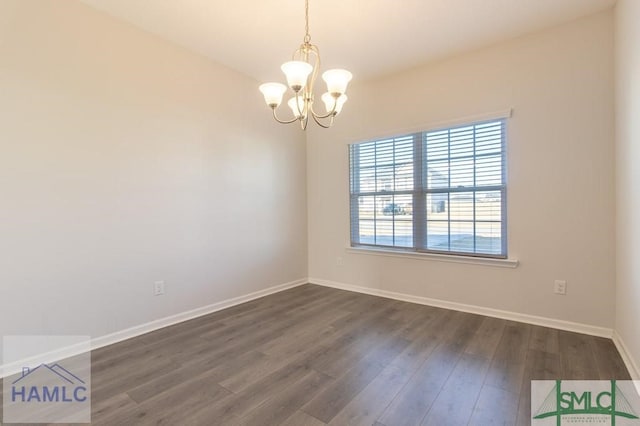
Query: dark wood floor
[[313, 356]]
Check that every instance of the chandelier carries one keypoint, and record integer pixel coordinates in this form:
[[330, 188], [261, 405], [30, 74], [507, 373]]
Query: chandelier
[[301, 73]]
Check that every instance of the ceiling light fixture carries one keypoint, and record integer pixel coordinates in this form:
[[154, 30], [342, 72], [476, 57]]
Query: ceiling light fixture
[[301, 74]]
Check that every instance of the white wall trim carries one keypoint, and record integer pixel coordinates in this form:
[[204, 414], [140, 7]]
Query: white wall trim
[[109, 339], [629, 362], [451, 258], [128, 333], [119, 336], [45, 358], [490, 312]]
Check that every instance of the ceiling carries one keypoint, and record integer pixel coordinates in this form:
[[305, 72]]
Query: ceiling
[[368, 37]]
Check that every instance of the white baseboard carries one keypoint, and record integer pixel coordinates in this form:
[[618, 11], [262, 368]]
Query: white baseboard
[[118, 336], [9, 369], [629, 361], [128, 333], [496, 313]]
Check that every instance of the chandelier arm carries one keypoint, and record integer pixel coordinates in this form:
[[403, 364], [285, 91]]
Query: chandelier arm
[[304, 105], [275, 116], [331, 113], [304, 53], [313, 51], [319, 123], [316, 66]]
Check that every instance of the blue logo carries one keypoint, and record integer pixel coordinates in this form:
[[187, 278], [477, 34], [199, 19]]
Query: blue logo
[[48, 383]]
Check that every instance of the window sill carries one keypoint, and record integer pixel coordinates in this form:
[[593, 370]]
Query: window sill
[[486, 261]]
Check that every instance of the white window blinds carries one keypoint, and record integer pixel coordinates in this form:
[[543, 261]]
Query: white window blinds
[[440, 191]]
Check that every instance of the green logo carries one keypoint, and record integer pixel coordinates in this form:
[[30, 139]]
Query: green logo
[[610, 402]]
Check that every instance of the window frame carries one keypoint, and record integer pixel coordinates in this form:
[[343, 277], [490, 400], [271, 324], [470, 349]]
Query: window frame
[[421, 190]]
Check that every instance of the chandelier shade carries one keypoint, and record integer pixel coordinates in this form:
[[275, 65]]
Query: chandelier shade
[[337, 80], [330, 103], [296, 109], [297, 73], [273, 93], [300, 74]]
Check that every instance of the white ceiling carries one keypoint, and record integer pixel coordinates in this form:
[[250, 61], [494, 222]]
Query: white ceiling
[[368, 37]]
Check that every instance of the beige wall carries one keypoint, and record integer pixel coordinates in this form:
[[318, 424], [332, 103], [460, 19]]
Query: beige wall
[[561, 201], [627, 37], [125, 160]]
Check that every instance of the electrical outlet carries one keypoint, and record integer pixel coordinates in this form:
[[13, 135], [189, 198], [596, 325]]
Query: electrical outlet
[[339, 261], [560, 287], [158, 288]]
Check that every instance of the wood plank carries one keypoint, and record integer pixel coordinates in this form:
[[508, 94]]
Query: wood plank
[[169, 407], [300, 418], [578, 361], [254, 372], [507, 367], [544, 339], [425, 323], [540, 365], [108, 386], [236, 405], [455, 403], [413, 402], [608, 360], [328, 403], [486, 339], [506, 374], [514, 342], [384, 362], [465, 331], [344, 357], [369, 404], [213, 369], [494, 407], [282, 406], [304, 334], [102, 409]]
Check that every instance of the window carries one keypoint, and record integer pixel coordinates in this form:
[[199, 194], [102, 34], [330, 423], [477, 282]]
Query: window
[[441, 191]]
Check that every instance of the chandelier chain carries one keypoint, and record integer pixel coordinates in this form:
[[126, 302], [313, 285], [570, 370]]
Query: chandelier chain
[[307, 36]]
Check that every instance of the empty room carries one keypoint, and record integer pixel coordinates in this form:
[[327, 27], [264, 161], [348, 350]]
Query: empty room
[[320, 212]]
